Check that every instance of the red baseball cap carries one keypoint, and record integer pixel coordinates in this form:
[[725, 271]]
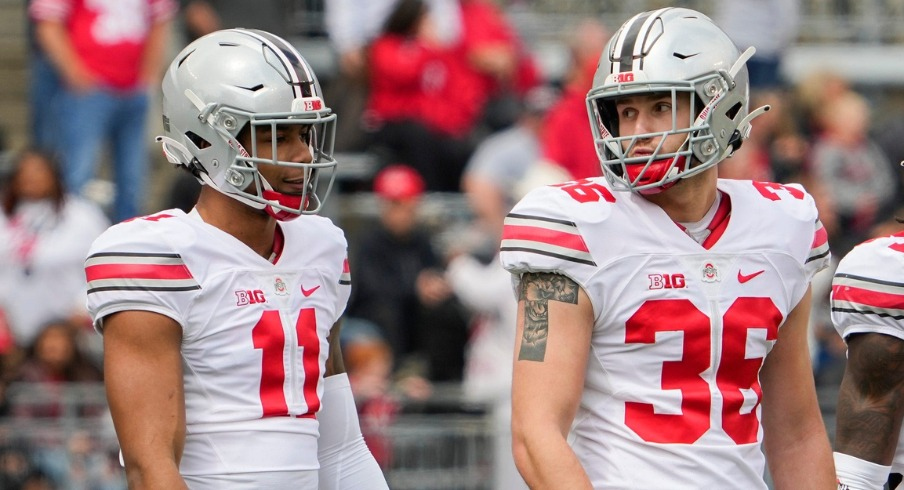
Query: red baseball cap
[[398, 182]]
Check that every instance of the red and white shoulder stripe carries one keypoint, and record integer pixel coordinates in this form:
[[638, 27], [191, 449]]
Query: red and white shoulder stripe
[[868, 280], [545, 236], [121, 271], [867, 296], [819, 249], [345, 278]]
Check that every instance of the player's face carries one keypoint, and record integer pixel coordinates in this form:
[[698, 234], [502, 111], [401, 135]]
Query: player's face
[[292, 145], [643, 114]]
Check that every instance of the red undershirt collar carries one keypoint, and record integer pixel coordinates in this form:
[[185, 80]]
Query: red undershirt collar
[[279, 241], [719, 222]]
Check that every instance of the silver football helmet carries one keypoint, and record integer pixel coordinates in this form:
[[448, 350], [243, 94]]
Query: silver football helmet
[[234, 78], [680, 52]]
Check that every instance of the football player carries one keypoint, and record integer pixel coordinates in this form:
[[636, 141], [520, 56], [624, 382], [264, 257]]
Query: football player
[[220, 325], [867, 309], [663, 312]]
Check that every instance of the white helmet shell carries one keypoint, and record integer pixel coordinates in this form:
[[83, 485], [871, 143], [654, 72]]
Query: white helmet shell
[[234, 78], [673, 51]]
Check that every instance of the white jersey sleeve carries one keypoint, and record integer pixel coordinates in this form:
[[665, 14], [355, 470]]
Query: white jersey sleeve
[[868, 289], [541, 234], [129, 267], [802, 206]]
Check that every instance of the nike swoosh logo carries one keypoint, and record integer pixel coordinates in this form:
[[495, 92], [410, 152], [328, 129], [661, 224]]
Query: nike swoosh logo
[[308, 292], [744, 278]]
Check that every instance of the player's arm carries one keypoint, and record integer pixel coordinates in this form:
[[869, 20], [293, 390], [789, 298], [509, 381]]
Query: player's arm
[[870, 408], [346, 463], [795, 440], [555, 321], [143, 378]]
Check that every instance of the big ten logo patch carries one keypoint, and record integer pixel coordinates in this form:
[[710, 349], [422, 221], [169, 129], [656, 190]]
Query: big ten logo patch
[[249, 297], [667, 281]]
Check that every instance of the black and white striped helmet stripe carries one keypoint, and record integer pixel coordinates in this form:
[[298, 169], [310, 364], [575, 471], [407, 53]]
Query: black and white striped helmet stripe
[[627, 54], [291, 61]]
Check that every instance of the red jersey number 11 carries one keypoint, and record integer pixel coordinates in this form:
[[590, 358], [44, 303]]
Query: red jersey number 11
[[270, 336]]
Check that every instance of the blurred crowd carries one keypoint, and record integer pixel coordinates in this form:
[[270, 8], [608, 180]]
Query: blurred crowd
[[443, 96]]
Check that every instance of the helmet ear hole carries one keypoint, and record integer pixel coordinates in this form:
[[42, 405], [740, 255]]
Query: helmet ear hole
[[200, 142], [733, 111]]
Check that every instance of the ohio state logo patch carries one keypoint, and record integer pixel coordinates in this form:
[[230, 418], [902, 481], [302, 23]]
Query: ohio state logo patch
[[280, 287], [710, 272]]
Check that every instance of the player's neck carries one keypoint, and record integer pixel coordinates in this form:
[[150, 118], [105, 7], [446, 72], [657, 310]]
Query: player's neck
[[689, 199], [250, 226]]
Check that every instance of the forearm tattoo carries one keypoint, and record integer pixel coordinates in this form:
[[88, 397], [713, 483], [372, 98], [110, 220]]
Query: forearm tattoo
[[536, 291], [871, 399]]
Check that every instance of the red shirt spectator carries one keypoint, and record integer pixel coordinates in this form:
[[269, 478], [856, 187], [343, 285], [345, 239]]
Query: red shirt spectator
[[108, 37], [488, 60], [562, 143], [399, 67]]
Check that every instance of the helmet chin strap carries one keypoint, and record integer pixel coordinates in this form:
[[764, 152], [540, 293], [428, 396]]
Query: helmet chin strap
[[277, 201], [237, 197]]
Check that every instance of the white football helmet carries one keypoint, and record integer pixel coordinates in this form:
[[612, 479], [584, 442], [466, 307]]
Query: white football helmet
[[234, 78], [680, 52]]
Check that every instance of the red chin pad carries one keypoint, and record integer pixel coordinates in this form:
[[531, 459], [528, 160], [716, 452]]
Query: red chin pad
[[654, 173], [289, 201]]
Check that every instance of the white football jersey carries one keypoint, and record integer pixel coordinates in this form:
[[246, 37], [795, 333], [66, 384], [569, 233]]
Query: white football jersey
[[254, 333], [868, 297], [671, 393]]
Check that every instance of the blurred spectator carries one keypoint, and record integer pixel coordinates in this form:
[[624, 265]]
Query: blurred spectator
[[770, 26], [430, 102], [857, 176], [491, 69], [561, 144], [813, 92], [368, 362], [108, 54], [56, 357], [16, 468], [38, 480], [486, 289], [45, 234], [398, 283], [202, 17], [888, 136], [44, 86], [407, 63], [889, 226], [503, 159], [775, 151], [81, 463], [352, 26]]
